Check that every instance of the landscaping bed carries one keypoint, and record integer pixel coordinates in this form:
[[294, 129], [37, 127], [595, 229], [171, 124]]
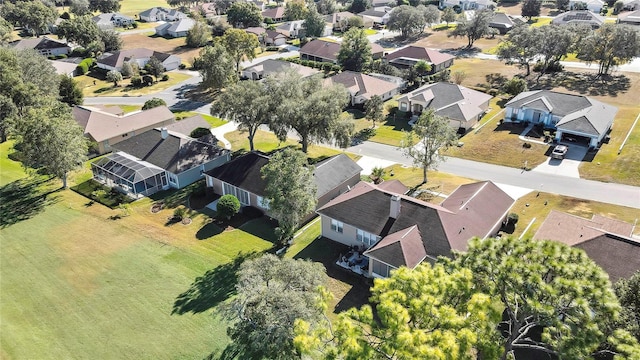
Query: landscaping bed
[[102, 194]]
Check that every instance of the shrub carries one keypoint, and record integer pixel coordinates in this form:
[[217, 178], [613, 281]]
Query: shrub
[[526, 145], [134, 25], [228, 205], [61, 56], [199, 132], [268, 21], [153, 102], [493, 92], [82, 68], [136, 81], [515, 86], [512, 218], [182, 66], [179, 213], [165, 77], [272, 48], [336, 68], [327, 67], [147, 80], [65, 15]]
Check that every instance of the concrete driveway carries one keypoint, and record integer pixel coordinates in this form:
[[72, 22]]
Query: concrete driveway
[[567, 166]]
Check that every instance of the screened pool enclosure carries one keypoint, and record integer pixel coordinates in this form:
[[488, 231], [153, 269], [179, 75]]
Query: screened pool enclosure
[[129, 175]]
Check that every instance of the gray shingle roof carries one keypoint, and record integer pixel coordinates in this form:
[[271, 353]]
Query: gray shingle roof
[[176, 153], [333, 171]]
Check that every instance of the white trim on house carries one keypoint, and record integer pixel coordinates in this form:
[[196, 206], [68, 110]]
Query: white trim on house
[[237, 192]]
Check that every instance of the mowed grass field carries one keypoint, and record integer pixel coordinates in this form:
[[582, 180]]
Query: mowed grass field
[[76, 284]]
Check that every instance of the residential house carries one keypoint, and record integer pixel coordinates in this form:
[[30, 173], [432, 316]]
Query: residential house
[[410, 55], [320, 50], [162, 14], [468, 4], [257, 31], [187, 125], [242, 178], [574, 117], [362, 87], [176, 29], [608, 242], [376, 16], [630, 18], [115, 60], [505, 22], [276, 14], [262, 5], [43, 45], [271, 67], [337, 21], [463, 107], [392, 229], [108, 21], [591, 5], [274, 38], [292, 29], [156, 160], [64, 67], [579, 17], [207, 10], [109, 126]]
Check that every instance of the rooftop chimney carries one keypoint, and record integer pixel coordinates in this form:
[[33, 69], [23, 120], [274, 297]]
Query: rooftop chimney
[[394, 208], [164, 132]]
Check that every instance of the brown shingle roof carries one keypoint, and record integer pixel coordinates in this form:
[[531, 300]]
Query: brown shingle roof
[[359, 84], [274, 13], [117, 58], [402, 248], [607, 241], [322, 49], [102, 125], [420, 53]]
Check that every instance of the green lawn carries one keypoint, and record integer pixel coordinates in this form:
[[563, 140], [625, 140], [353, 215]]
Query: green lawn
[[94, 84], [76, 284], [212, 120], [370, 32], [134, 7]]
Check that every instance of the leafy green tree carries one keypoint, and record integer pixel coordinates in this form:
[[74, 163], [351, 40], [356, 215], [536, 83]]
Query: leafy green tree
[[515, 86], [34, 16], [129, 69], [618, 6], [551, 52], [248, 104], [628, 292], [114, 76], [70, 92], [111, 40], [314, 23], [449, 15], [406, 19], [291, 190], [355, 50], [79, 7], [531, 8], [556, 300], [295, 10], [358, 6], [309, 108], [154, 67], [50, 139], [520, 47], [153, 102], [228, 205], [244, 14], [5, 32], [216, 66], [430, 312], [377, 173], [475, 28], [272, 294], [326, 7], [609, 46], [424, 143], [198, 36], [104, 6], [80, 30], [373, 109], [239, 44], [430, 14]]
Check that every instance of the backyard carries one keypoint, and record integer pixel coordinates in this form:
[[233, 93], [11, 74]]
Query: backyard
[[95, 84]]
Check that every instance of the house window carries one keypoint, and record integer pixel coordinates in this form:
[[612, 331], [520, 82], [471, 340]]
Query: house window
[[337, 226], [366, 238], [403, 106], [242, 195], [172, 179], [380, 269], [263, 203]]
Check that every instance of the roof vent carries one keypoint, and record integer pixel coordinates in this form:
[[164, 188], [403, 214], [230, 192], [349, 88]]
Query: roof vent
[[164, 133]]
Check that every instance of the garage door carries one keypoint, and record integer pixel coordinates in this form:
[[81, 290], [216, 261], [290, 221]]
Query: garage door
[[578, 139]]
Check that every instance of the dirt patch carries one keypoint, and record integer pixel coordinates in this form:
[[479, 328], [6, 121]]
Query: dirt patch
[[439, 39]]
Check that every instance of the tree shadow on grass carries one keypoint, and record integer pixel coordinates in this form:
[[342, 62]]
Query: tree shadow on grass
[[24, 198], [586, 83], [210, 289], [207, 231]]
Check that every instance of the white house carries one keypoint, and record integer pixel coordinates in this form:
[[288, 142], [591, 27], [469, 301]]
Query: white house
[[110, 20], [468, 4], [162, 14], [175, 29], [575, 118], [591, 5]]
